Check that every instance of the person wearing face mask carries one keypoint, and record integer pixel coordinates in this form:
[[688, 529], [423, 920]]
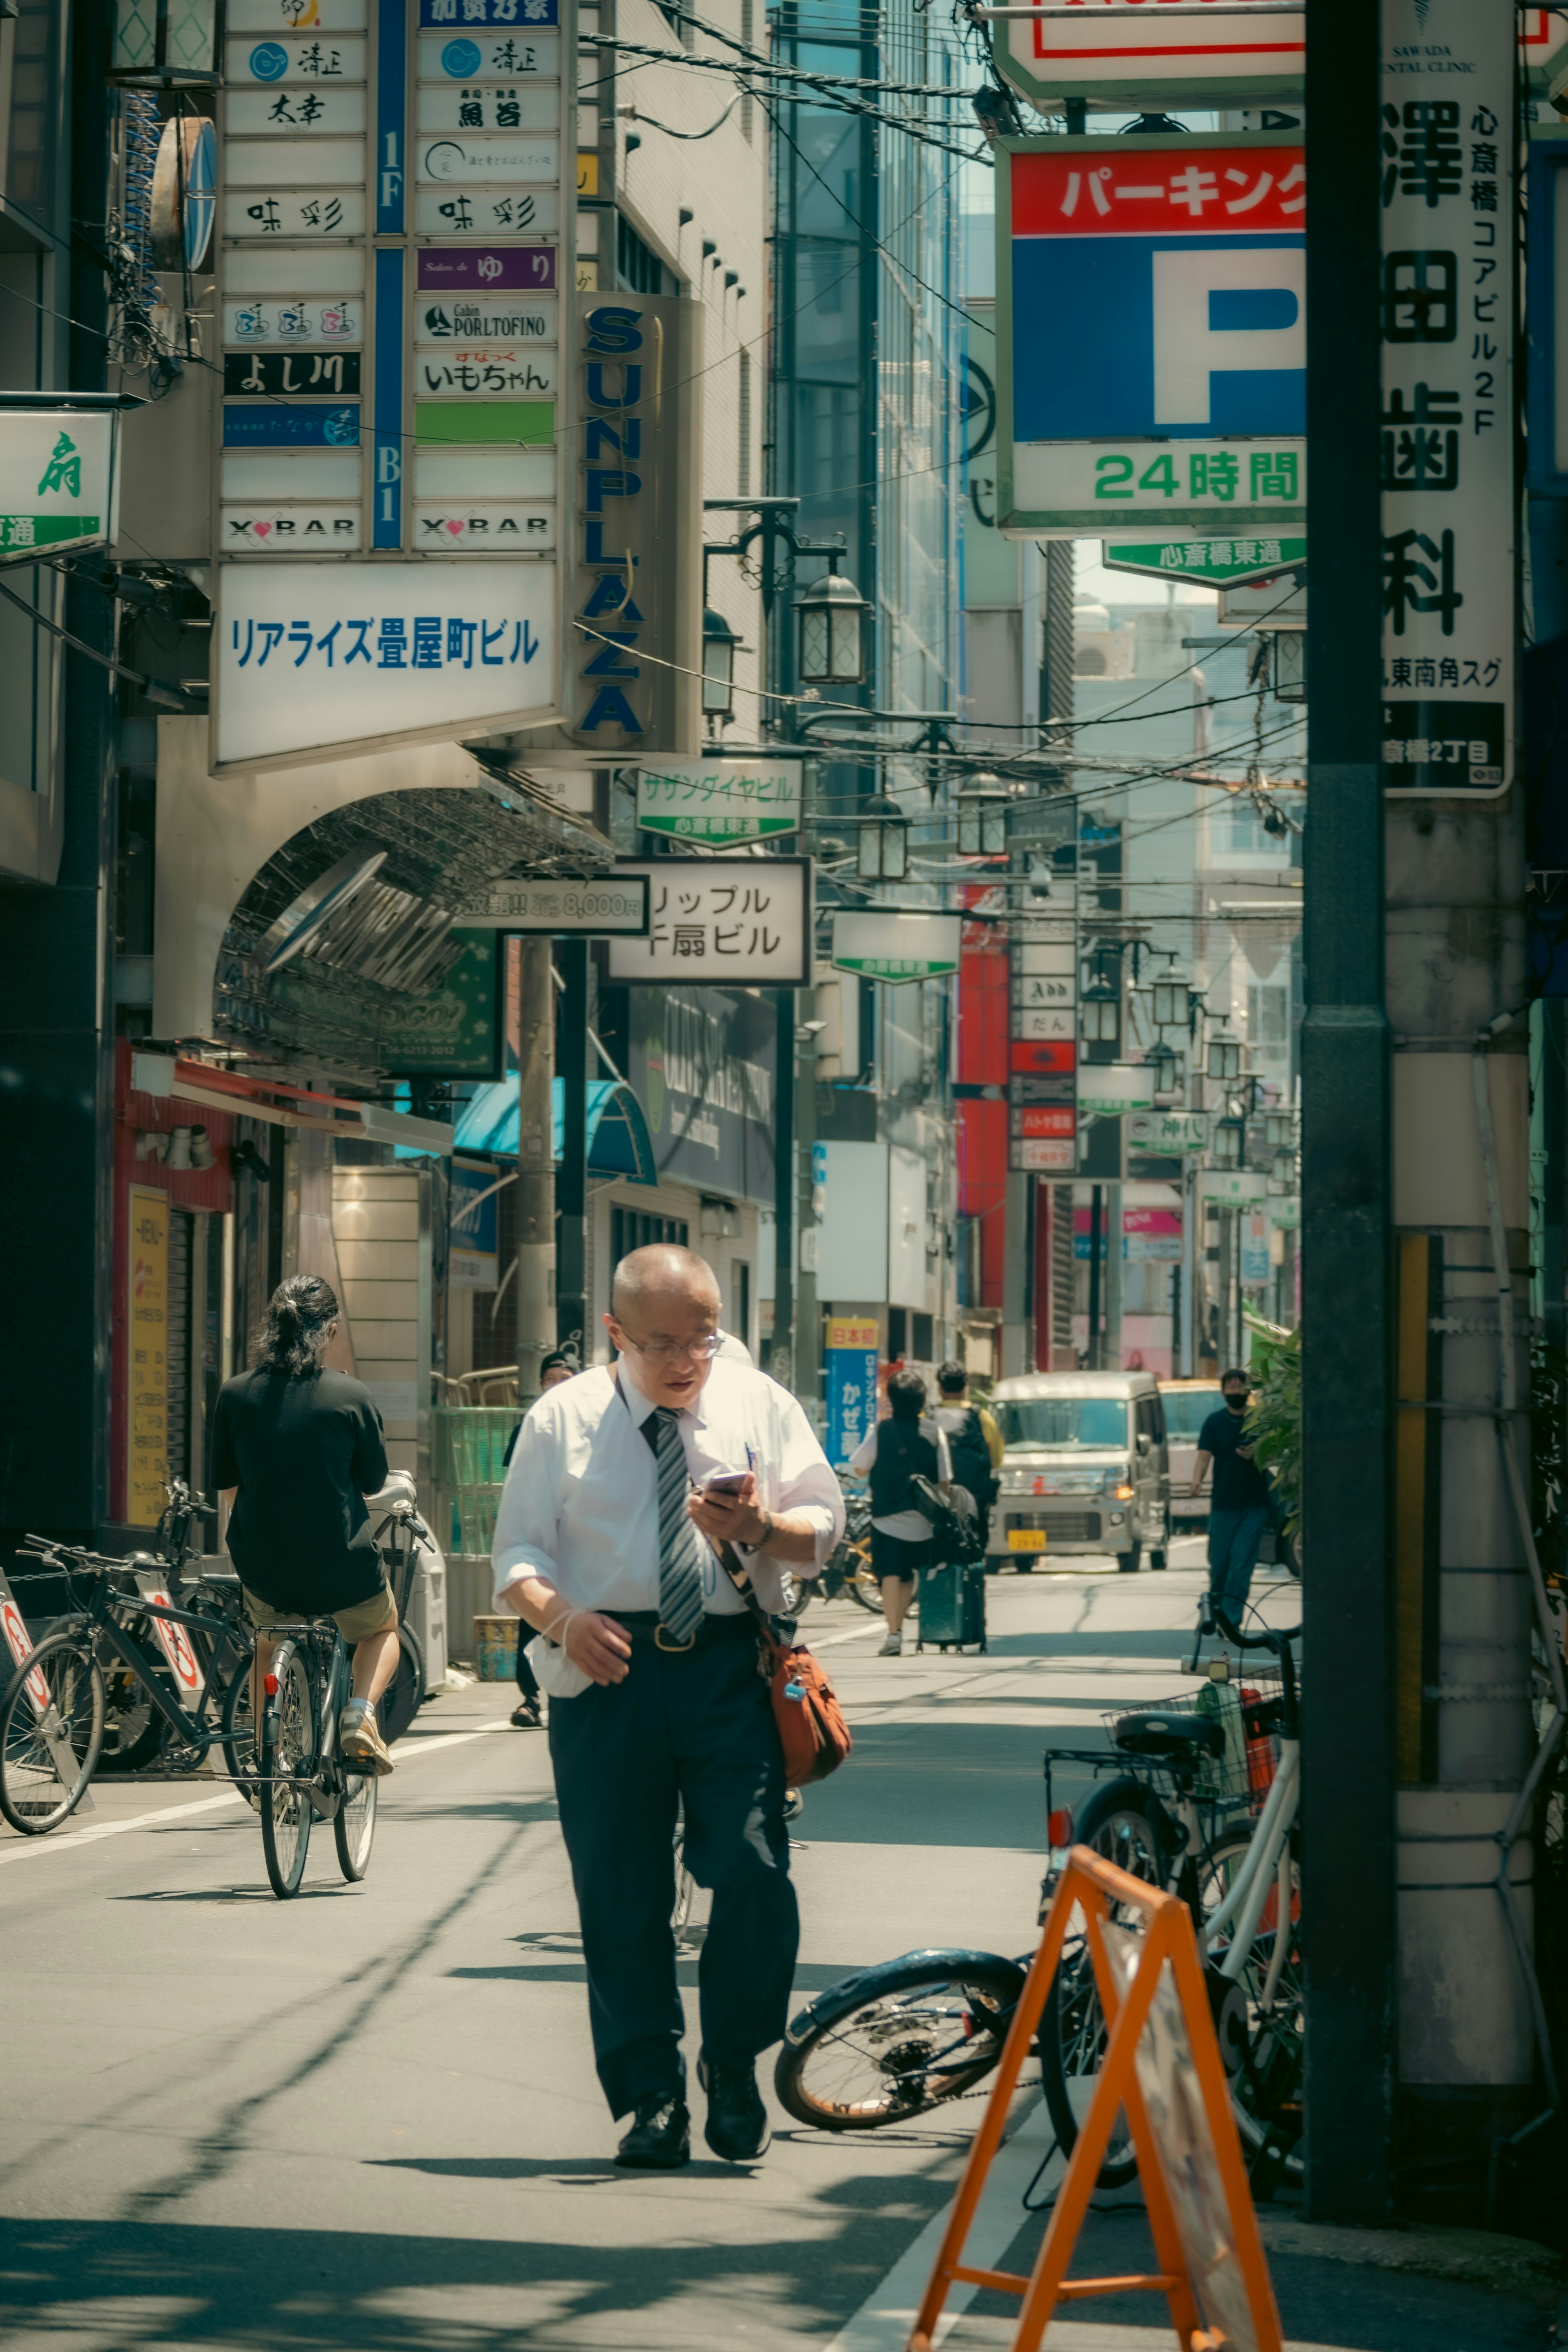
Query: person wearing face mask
[[1238, 1506]]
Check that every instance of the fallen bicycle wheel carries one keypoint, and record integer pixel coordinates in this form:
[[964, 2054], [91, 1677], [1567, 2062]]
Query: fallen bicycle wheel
[[289, 1748], [898, 2040]]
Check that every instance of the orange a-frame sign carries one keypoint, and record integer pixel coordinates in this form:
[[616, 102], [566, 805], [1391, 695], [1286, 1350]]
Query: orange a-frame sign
[[1162, 2066]]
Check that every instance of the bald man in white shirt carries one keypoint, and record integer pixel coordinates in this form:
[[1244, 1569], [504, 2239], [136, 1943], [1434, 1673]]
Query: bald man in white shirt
[[605, 1546]]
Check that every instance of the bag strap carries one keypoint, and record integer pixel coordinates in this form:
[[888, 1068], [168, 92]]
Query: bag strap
[[741, 1578]]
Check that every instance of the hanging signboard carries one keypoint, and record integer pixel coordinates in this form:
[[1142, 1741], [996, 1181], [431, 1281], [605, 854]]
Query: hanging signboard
[[1212, 562], [58, 480], [1109, 1088], [1448, 433], [1175, 267], [456, 1031], [1172, 1132], [473, 1247], [147, 1390], [731, 922], [883, 944], [609, 906], [1255, 1266], [851, 1370], [720, 801], [1123, 56], [1229, 1188]]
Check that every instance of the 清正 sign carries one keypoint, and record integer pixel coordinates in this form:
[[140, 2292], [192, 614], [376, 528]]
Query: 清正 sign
[[728, 921], [57, 481], [1447, 429], [1177, 268], [720, 801]]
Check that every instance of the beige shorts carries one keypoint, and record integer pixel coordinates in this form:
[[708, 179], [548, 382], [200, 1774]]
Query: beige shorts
[[377, 1615]]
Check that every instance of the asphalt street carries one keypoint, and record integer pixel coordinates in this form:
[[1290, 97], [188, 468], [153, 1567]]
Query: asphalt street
[[368, 2118]]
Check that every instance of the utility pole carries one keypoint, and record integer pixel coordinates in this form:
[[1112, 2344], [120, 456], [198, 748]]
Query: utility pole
[[1111, 1350], [808, 1380], [571, 1182], [781, 1351], [535, 1164], [1348, 1864]]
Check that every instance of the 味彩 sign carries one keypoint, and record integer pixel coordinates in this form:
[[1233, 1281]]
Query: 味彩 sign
[[1214, 563], [1176, 270], [1447, 429], [58, 483], [897, 947], [613, 906], [728, 921], [720, 801], [1125, 56], [454, 1032]]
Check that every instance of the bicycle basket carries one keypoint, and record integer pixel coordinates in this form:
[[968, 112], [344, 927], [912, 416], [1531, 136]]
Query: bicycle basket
[[1248, 1712]]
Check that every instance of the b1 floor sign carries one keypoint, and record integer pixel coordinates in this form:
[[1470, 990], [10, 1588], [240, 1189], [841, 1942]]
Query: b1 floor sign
[[1174, 270]]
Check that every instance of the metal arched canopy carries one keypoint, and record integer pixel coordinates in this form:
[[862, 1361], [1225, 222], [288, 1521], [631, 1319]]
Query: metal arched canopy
[[619, 1144]]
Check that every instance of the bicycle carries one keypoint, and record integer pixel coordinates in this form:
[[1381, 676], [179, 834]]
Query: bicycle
[[848, 1573], [303, 1774], [135, 1734], [54, 1709], [900, 2039]]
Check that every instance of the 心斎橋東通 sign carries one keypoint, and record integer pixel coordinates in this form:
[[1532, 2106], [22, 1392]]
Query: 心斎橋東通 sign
[[728, 921], [1215, 562], [614, 907], [897, 947], [1131, 57], [1447, 419], [720, 801], [311, 657], [1176, 270], [58, 483]]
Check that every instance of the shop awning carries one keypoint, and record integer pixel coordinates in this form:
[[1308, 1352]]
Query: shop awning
[[618, 1141]]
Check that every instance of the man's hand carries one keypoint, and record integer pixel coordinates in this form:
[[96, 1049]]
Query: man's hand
[[601, 1647], [731, 1517], [1246, 1452]]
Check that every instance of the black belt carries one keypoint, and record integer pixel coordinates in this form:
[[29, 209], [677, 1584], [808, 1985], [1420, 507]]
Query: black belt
[[643, 1625]]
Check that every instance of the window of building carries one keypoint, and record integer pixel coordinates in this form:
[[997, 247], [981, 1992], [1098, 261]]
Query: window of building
[[637, 268], [1269, 1018], [630, 1230]]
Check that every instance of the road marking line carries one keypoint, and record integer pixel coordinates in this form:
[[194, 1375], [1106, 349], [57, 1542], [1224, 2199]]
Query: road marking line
[[884, 2320], [30, 1848]]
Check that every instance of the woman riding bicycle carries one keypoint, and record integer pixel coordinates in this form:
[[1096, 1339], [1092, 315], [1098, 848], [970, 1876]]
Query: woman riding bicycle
[[295, 1450]]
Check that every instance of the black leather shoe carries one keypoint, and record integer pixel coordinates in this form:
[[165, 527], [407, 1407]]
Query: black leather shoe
[[737, 2127], [660, 2136]]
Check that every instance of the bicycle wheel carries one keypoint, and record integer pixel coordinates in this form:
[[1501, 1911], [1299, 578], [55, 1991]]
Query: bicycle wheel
[[290, 1747], [132, 1726], [1116, 1821], [52, 1713], [1264, 2053], [239, 1736], [354, 1823], [404, 1697], [898, 2041], [859, 1582]]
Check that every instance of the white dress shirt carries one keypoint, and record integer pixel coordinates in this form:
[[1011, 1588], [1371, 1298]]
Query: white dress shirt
[[911, 1526], [581, 1503]]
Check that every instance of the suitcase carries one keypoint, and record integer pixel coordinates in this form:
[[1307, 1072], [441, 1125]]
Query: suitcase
[[952, 1606]]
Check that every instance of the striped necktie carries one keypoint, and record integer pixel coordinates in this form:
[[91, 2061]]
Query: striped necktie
[[680, 1547]]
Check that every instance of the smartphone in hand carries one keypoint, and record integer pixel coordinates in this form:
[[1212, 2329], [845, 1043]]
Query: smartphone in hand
[[726, 1485]]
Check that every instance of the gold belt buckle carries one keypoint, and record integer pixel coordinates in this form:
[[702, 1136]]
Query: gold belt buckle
[[660, 1644]]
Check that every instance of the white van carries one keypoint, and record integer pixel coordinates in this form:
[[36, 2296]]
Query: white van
[[1085, 1468]]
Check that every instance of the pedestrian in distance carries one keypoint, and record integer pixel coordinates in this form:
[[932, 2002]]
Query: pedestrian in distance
[[1238, 1501], [626, 1486], [295, 1450], [973, 1440], [527, 1715], [902, 1447]]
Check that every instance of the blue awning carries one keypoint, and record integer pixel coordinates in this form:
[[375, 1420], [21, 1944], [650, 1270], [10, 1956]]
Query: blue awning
[[618, 1140]]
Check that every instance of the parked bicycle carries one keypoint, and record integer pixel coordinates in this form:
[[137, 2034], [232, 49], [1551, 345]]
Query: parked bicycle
[[1204, 1803], [847, 1573]]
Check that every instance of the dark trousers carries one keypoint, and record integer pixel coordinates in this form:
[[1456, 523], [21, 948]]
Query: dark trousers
[[1234, 1540], [527, 1680], [693, 1729]]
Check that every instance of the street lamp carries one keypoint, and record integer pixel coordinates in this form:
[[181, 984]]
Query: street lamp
[[1225, 1058], [982, 808], [1279, 1130], [1173, 1003], [882, 849], [834, 631], [718, 646], [1229, 1143], [1284, 1171], [1163, 1059], [1099, 1015]]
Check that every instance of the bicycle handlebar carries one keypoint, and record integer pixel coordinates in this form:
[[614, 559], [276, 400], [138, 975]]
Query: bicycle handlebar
[[1270, 1639]]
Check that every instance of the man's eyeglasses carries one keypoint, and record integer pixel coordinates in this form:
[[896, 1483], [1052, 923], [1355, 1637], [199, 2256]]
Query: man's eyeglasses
[[703, 1349]]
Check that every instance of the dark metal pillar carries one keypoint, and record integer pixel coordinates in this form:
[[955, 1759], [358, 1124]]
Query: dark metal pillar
[[780, 1352], [572, 1171], [1348, 1759]]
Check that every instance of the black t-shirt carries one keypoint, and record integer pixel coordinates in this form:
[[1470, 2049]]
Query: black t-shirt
[[1237, 1485], [304, 1454]]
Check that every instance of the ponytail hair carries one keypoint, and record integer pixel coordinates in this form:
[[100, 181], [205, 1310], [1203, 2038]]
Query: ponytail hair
[[299, 1314]]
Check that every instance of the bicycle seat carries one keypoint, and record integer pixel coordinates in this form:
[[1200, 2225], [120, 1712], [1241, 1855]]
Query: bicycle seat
[[1169, 1739]]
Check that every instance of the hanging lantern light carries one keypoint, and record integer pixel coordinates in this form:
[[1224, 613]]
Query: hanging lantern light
[[1224, 1059], [1279, 1130], [1173, 1003], [982, 808], [719, 646], [1163, 1060], [1284, 1169], [1099, 1014], [882, 850], [1229, 1143], [833, 619]]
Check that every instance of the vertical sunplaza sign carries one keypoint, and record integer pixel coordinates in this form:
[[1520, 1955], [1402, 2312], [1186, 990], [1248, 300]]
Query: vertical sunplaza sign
[[395, 226], [1174, 269]]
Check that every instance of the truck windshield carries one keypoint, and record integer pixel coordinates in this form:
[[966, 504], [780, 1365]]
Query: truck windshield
[[1062, 1421]]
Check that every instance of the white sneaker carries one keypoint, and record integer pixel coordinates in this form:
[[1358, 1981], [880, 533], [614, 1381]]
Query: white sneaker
[[894, 1647]]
